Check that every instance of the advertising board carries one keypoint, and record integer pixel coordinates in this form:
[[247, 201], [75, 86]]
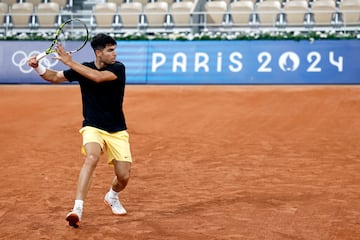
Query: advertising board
[[207, 62]]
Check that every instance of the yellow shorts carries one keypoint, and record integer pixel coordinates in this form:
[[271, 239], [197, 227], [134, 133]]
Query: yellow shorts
[[117, 144]]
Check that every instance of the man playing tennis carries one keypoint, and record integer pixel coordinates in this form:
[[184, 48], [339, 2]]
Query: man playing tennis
[[102, 84]]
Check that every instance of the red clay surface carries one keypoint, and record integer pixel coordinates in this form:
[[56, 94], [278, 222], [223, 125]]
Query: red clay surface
[[210, 162]]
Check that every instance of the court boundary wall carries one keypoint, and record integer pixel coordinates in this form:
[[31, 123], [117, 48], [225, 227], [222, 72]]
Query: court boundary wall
[[207, 62]]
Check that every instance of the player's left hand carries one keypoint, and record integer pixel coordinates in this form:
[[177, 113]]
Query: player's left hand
[[62, 55]]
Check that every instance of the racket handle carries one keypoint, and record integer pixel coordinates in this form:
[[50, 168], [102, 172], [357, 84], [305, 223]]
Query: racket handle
[[40, 56]]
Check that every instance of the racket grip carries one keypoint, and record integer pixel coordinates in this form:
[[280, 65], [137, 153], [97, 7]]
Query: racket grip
[[40, 56]]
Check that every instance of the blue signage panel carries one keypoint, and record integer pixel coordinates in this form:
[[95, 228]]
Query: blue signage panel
[[134, 54], [207, 62], [14, 55], [254, 62]]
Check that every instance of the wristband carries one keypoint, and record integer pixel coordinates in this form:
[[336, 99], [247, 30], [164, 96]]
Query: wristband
[[40, 69]]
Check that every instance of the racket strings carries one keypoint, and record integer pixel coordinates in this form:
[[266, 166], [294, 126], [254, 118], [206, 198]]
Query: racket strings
[[73, 35], [74, 30]]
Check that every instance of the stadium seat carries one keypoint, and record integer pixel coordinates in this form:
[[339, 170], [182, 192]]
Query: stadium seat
[[3, 13], [215, 12], [34, 2], [130, 14], [295, 11], [181, 13], [104, 14], [227, 1], [21, 15], [47, 14], [143, 2], [169, 2], [350, 10], [156, 13], [9, 2], [323, 11], [268, 12], [62, 3], [240, 12], [117, 2]]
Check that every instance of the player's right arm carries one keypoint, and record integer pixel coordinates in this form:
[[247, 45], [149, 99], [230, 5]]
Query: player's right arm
[[47, 74], [54, 76]]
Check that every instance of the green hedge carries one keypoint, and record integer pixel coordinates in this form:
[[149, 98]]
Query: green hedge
[[210, 36]]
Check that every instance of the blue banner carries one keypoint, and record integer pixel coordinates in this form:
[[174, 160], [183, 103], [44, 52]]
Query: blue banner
[[207, 62]]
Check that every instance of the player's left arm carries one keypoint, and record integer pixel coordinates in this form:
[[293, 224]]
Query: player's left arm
[[89, 73]]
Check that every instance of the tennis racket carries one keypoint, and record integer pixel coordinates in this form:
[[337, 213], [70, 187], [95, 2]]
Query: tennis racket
[[73, 34]]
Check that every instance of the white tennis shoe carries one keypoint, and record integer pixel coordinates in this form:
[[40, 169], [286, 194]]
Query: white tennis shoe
[[115, 205]]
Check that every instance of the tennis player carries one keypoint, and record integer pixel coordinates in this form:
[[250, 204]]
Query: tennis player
[[102, 84]]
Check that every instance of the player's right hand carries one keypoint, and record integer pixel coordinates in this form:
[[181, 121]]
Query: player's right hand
[[62, 55]]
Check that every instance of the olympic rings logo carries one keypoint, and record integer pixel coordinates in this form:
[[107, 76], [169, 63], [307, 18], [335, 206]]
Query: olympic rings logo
[[19, 59]]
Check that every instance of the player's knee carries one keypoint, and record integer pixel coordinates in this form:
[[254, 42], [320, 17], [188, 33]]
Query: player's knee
[[123, 176], [91, 160]]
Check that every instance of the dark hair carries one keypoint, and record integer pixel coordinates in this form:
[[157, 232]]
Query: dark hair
[[101, 40]]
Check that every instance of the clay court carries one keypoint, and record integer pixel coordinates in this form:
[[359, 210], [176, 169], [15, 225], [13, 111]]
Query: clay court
[[210, 162]]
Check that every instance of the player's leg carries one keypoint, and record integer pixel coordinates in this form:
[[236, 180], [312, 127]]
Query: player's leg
[[121, 179], [92, 149], [93, 153], [122, 175], [119, 156]]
